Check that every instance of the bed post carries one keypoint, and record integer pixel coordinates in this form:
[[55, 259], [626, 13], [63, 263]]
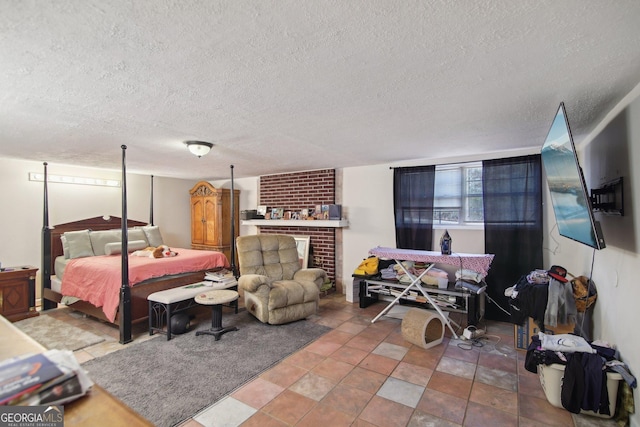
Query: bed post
[[45, 276], [151, 204], [233, 229], [125, 290]]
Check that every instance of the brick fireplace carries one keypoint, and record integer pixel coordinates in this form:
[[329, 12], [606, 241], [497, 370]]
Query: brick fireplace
[[303, 190]]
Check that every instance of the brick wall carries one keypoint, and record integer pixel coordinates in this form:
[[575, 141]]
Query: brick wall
[[300, 190], [303, 190]]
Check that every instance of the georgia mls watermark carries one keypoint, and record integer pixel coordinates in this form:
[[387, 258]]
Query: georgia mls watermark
[[32, 416]]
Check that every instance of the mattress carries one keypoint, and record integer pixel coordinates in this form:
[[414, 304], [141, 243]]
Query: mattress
[[59, 265], [56, 283]]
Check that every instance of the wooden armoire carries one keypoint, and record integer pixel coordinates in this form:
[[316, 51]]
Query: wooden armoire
[[211, 218]]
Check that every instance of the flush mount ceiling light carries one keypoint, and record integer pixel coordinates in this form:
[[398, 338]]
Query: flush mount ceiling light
[[199, 148]]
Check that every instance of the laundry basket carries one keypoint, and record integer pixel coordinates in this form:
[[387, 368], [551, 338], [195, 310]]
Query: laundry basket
[[551, 379]]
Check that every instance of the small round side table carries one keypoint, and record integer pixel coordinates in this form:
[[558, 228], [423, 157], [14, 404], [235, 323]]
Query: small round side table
[[216, 299]]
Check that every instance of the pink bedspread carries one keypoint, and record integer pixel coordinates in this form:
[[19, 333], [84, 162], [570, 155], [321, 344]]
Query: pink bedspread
[[97, 279]]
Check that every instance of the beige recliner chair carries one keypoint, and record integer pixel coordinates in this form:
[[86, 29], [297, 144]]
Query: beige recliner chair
[[276, 289]]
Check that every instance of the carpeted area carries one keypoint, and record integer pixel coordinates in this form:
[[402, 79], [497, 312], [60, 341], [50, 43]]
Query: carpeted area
[[169, 381], [56, 334]]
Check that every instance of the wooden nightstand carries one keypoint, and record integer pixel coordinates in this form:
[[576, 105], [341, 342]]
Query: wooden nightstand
[[18, 292]]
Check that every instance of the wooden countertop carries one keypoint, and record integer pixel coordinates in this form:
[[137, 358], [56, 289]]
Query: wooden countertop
[[97, 409]]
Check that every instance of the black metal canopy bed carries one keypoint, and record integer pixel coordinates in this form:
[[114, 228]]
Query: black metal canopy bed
[[109, 240]]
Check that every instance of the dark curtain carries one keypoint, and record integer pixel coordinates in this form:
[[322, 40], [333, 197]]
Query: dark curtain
[[512, 198], [413, 206]]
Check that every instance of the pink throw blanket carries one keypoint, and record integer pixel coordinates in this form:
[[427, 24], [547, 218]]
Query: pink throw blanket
[[98, 279]]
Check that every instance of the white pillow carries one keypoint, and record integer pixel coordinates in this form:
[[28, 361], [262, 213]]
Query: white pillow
[[134, 234], [115, 248], [99, 238], [153, 235], [79, 244], [65, 246]]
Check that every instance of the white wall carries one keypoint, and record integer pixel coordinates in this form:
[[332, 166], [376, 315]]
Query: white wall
[[248, 198], [21, 216], [615, 267]]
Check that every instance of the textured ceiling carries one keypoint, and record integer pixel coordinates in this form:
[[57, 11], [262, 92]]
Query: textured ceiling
[[282, 86]]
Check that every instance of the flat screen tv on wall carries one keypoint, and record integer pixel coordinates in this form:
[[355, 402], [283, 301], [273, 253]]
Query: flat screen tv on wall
[[569, 194]]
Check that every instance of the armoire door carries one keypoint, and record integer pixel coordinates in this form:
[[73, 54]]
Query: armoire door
[[212, 234], [198, 222]]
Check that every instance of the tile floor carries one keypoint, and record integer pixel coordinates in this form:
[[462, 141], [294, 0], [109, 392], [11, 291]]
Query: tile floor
[[365, 374]]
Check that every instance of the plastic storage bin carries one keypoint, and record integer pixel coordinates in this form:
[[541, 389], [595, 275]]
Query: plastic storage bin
[[551, 379]]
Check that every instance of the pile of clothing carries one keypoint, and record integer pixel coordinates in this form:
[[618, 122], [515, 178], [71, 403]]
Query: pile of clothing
[[544, 295], [470, 280], [584, 386], [415, 269]]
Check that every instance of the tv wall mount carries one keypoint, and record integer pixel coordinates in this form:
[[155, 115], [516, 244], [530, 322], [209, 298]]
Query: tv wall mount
[[609, 198]]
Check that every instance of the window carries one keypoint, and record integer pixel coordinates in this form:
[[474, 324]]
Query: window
[[458, 194]]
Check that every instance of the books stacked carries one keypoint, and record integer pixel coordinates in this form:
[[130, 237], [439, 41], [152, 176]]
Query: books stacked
[[52, 378], [220, 279]]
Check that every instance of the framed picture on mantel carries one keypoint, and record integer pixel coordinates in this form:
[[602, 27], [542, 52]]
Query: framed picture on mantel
[[302, 244]]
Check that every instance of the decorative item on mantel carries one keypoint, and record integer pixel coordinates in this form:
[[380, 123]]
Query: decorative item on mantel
[[250, 214], [286, 217], [335, 212], [445, 243]]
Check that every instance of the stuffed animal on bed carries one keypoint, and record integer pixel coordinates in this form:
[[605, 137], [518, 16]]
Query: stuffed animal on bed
[[162, 251]]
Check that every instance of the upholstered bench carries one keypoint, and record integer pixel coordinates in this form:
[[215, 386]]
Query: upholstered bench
[[164, 304]]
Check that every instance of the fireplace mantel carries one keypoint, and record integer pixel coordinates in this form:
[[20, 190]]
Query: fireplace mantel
[[321, 223]]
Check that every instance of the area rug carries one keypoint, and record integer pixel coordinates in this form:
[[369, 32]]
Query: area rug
[[170, 381], [56, 334]]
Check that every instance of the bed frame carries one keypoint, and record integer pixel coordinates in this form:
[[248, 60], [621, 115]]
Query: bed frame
[[133, 300]]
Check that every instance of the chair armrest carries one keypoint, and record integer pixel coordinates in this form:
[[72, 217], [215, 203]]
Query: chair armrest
[[316, 275], [251, 282]]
